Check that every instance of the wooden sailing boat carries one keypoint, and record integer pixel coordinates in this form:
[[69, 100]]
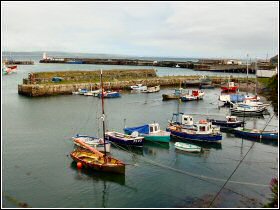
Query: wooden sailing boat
[[95, 159]]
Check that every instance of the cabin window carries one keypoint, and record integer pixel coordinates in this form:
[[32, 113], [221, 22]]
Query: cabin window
[[202, 128], [190, 119], [156, 128], [186, 119], [151, 129]]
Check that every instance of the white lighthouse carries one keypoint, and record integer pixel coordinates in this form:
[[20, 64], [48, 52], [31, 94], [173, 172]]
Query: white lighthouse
[[44, 56]]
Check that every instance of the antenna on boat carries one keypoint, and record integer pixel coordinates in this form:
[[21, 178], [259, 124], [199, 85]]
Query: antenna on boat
[[256, 70], [103, 113], [247, 73], [124, 122]]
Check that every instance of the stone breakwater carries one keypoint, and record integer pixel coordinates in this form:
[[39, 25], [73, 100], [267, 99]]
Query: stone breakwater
[[35, 90]]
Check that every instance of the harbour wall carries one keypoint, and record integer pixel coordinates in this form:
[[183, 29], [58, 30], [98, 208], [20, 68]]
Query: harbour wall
[[203, 65], [35, 90]]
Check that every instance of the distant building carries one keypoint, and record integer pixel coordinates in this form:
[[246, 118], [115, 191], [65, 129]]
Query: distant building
[[210, 61], [267, 72], [233, 62]]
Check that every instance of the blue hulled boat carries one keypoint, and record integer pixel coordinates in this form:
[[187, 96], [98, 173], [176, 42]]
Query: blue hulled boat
[[256, 134], [124, 139], [231, 122], [110, 94], [201, 131], [188, 134]]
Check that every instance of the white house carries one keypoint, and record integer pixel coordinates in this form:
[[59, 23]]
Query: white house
[[267, 73]]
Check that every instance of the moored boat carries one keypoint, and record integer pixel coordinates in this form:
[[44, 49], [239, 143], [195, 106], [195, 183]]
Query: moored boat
[[94, 142], [124, 139], [230, 122], [153, 89], [9, 69], [229, 87], [201, 131], [206, 86], [256, 134], [139, 87], [244, 109], [93, 158], [187, 147], [195, 95], [98, 161], [110, 94], [92, 93], [176, 95], [150, 132]]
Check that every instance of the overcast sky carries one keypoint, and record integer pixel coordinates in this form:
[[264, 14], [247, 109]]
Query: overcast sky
[[176, 29]]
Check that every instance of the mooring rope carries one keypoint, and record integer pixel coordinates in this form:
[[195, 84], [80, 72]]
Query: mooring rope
[[201, 177], [237, 168]]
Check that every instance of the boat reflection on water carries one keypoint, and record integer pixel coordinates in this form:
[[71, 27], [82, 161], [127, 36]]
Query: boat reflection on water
[[89, 174], [100, 177], [262, 141], [131, 149], [202, 144], [152, 148]]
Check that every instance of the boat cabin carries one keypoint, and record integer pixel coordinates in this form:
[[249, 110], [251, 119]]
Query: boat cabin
[[204, 126], [195, 92], [187, 120], [154, 128], [231, 84], [178, 92], [231, 119]]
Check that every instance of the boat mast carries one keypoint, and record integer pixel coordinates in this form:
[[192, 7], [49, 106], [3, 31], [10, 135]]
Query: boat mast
[[247, 74], [256, 68], [103, 113]]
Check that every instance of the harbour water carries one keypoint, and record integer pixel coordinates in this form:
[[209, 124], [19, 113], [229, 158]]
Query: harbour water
[[38, 171]]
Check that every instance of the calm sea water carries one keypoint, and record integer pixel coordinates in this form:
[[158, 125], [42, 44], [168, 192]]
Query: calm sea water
[[37, 169]]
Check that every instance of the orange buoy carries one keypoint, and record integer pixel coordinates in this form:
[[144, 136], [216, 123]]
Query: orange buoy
[[79, 165]]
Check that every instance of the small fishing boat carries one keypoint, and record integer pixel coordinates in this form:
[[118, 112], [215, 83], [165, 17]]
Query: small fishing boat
[[195, 95], [139, 87], [92, 93], [230, 122], [81, 91], [176, 95], [110, 94], [93, 159], [201, 131], [187, 147], [94, 142], [151, 132], [124, 139], [9, 69], [229, 87], [252, 103], [244, 109], [153, 89], [256, 134], [206, 86], [230, 99]]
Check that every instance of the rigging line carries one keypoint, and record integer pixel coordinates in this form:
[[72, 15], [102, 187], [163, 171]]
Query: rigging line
[[201, 177], [268, 122], [231, 175]]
